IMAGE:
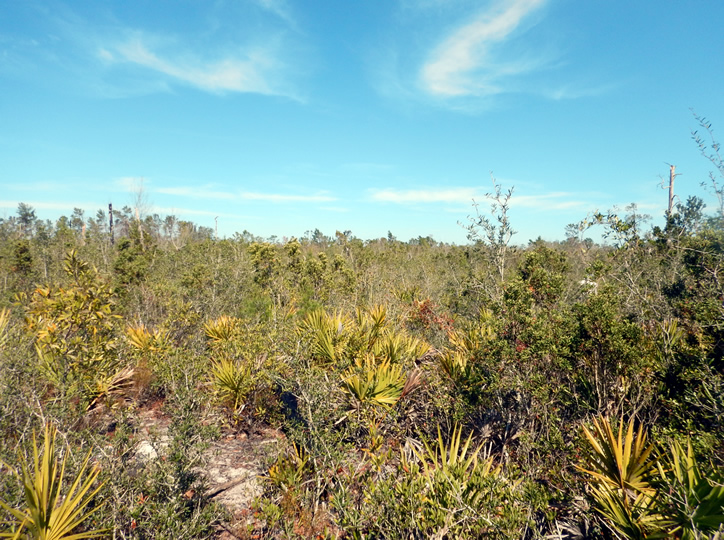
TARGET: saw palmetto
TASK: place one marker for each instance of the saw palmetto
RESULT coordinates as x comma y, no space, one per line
50,512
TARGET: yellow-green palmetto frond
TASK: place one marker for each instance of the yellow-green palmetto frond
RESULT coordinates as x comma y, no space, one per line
50,512
139,337
4,323
455,455
472,339
327,334
399,348
454,363
377,383
146,341
634,519
372,323
695,502
455,471
231,381
619,462
288,470
221,330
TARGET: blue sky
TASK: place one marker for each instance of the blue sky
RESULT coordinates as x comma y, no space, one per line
279,117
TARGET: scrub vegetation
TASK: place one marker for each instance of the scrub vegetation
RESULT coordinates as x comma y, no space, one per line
416,389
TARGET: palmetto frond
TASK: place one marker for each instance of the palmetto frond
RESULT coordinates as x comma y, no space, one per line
146,341
372,323
635,519
618,462
451,456
4,323
50,514
231,381
221,330
695,502
327,334
380,384
399,348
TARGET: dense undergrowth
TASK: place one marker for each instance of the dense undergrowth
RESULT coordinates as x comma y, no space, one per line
425,390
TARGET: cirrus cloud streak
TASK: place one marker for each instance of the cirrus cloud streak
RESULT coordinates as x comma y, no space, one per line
463,64
253,71
208,192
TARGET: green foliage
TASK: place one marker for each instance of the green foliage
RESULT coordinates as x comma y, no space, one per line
621,470
445,490
337,339
616,361
132,263
74,329
289,468
461,361
222,329
328,335
265,262
4,324
543,270
22,258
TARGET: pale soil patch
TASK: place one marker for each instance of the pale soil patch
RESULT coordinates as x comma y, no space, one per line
234,463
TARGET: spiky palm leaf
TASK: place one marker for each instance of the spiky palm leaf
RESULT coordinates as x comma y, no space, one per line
49,514
399,348
695,503
470,340
4,323
327,334
372,323
454,364
110,387
635,519
221,330
447,457
139,337
618,462
380,384
231,381
453,471
621,469
288,470
146,341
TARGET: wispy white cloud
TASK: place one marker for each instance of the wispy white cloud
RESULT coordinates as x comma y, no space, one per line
204,192
33,186
280,8
570,91
463,63
130,183
210,192
280,197
550,201
255,70
466,195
